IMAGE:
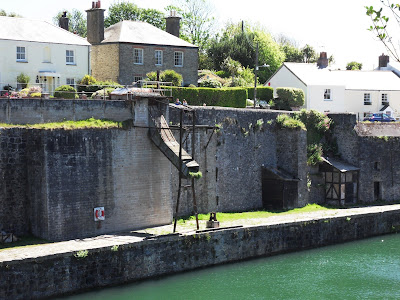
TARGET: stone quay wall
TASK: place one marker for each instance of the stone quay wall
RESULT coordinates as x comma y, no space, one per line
63,273
231,158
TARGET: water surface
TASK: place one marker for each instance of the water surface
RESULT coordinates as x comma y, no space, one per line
367,269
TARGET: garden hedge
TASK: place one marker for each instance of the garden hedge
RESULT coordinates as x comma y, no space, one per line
227,97
265,93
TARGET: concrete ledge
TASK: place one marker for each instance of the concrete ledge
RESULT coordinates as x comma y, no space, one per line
36,276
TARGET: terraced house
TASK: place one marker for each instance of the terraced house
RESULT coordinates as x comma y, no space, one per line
126,51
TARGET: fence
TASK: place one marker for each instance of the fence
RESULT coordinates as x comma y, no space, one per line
95,91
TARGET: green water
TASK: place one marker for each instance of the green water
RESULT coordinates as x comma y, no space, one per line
367,269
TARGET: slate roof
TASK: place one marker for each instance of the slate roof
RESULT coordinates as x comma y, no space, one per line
22,29
351,80
339,164
137,32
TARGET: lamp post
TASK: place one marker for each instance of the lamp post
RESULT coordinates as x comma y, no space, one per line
255,76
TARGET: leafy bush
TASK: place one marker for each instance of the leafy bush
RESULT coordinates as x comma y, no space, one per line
101,93
290,96
314,154
89,84
317,124
211,83
223,74
285,121
166,76
23,79
227,97
29,92
36,95
65,92
171,76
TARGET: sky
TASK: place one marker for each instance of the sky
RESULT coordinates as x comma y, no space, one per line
336,27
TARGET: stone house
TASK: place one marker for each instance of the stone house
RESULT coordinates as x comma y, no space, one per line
341,91
126,51
49,55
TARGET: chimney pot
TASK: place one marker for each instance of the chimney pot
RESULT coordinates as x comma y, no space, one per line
322,60
95,24
173,24
383,61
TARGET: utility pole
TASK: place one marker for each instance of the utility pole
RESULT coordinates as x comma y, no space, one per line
255,77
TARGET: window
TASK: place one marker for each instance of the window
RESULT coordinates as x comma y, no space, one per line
70,58
327,94
178,59
21,54
137,78
385,100
71,82
367,99
46,55
138,56
159,57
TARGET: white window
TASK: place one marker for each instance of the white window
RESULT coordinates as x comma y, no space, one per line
21,54
367,99
385,100
178,59
138,56
70,57
327,94
159,57
71,82
46,55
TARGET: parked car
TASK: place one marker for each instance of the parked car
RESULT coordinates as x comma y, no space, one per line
379,117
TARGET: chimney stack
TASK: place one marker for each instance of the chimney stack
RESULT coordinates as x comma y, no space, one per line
63,22
173,24
383,61
322,62
95,23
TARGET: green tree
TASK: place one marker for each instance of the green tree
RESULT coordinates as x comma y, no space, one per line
3,13
380,28
354,66
129,11
240,44
77,21
309,54
197,22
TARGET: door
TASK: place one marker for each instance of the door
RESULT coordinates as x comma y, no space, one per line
272,194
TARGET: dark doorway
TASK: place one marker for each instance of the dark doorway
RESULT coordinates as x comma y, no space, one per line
377,190
272,194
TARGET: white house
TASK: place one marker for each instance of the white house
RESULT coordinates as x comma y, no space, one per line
49,55
360,92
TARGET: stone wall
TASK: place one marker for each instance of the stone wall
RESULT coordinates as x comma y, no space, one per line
128,70
232,162
13,184
63,273
33,111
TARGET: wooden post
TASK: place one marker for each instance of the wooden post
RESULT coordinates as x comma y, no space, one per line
193,189
180,167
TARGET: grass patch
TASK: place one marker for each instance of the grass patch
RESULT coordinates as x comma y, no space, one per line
24,241
70,125
254,214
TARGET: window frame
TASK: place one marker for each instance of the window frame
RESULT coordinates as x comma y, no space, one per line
385,96
70,80
68,57
177,58
138,56
20,53
159,59
327,95
367,99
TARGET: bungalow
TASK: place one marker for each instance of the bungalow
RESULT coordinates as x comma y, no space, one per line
336,91
125,52
49,55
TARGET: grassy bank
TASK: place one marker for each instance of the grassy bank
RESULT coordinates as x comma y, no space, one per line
69,125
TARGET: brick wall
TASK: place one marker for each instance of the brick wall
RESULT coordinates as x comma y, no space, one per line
105,62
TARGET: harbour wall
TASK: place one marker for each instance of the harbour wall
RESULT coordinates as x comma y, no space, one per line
63,273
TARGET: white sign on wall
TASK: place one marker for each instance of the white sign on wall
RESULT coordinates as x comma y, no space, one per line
99,214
